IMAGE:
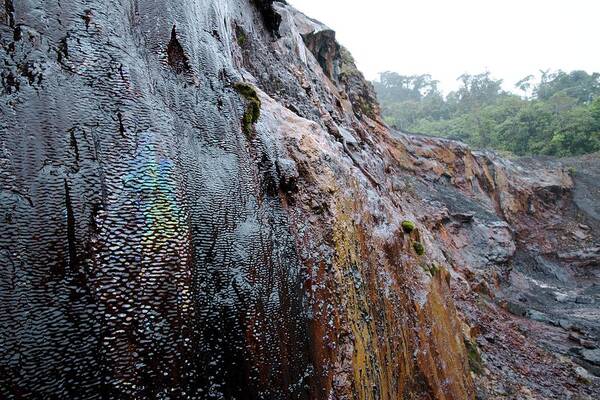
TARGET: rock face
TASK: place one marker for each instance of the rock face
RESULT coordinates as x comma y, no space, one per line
200,200
521,238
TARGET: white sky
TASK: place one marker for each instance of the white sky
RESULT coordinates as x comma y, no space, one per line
446,38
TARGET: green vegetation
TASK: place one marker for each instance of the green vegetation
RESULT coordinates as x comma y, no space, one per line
253,104
408,226
559,115
434,269
419,248
431,269
475,361
242,39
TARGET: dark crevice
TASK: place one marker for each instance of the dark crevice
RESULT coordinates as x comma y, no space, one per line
74,144
270,17
121,126
71,240
176,55
215,34
87,17
10,12
17,33
62,50
62,53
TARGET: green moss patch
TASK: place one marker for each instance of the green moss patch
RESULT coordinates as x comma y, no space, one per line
253,104
431,269
408,226
475,361
241,36
434,269
419,248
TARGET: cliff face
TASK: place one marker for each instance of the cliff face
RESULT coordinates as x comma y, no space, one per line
200,200
522,240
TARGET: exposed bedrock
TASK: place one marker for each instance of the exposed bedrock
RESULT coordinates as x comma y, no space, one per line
522,237
199,200
168,232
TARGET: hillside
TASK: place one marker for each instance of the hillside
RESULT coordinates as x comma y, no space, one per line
557,115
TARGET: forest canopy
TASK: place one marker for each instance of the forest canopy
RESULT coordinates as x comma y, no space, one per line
558,114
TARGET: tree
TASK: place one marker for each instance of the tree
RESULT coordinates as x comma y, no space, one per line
393,86
525,85
559,115
406,99
580,85
478,90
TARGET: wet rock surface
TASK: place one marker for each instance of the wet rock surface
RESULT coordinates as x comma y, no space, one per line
199,200
522,237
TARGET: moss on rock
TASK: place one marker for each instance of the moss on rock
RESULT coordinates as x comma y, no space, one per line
475,361
253,104
433,269
241,36
408,226
419,248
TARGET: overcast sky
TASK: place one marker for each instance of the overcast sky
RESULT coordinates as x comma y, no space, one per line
446,38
